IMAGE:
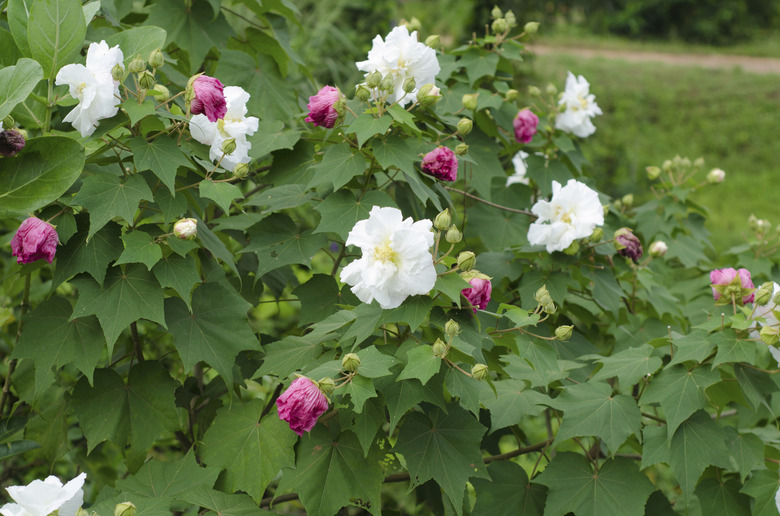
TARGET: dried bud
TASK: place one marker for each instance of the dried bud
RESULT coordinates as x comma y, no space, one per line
461,149
573,249
156,59
374,79
466,260
12,141
160,93
362,93
146,80
627,244
499,26
326,385
125,509
464,126
451,328
428,95
564,332
440,348
443,220
228,146
496,12
531,27
453,235
409,85
511,95
186,229
715,176
350,362
658,249
387,84
469,101
433,41
628,200
241,170
769,335
510,18
479,371
653,173
137,65
534,91
596,236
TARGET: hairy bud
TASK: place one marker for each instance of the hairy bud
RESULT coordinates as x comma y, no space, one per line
466,260
326,385
443,220
374,79
440,348
241,170
461,149
228,146
137,65
161,93
511,95
387,84
125,509
146,80
362,93
433,41
596,236
156,59
510,18
531,27
564,332
573,249
658,249
428,95
453,235
451,328
350,362
496,12
469,101
653,173
534,91
499,26
480,371
409,85
464,126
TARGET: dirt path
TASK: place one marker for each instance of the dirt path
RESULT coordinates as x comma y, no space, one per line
758,65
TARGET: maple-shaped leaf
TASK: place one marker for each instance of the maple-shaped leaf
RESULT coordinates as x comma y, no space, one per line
251,450
762,486
341,210
508,493
746,451
723,497
162,156
105,196
140,247
222,504
443,447
278,242
511,401
179,273
88,255
617,487
629,366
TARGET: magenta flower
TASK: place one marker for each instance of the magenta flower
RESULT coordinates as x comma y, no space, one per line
35,239
627,244
479,293
441,163
323,107
729,283
525,123
208,98
301,404
11,142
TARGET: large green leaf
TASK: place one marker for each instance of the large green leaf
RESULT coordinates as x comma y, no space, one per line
17,82
340,210
746,451
443,447
508,493
215,331
318,297
281,197
92,256
222,504
617,487
18,18
140,247
105,196
40,173
278,242
421,364
55,32
629,366
762,486
271,136
722,498
222,193
138,42
251,453
338,166
511,401
179,273
162,156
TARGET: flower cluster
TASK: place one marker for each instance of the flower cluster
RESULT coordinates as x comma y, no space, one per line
35,239
579,108
301,404
44,497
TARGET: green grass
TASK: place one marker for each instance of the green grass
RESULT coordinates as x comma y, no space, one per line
653,112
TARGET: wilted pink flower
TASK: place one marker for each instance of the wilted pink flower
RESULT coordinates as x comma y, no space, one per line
525,123
301,404
11,142
35,239
323,107
627,244
208,98
724,283
479,293
441,163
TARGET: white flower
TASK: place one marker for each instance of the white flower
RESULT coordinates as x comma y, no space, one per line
43,497
573,213
520,169
234,125
580,108
777,499
716,175
658,248
401,56
93,86
765,315
396,261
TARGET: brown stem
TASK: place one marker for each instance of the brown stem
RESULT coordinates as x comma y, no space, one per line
484,201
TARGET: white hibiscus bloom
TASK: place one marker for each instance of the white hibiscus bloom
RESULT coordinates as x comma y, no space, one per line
234,125
401,56
520,169
396,261
765,315
573,213
580,107
41,497
93,86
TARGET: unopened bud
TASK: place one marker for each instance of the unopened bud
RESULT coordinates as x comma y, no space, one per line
496,12
551,89
667,165
326,385
698,162
161,93
387,84
125,509
542,295
241,170
146,80
82,512
362,93
653,173
461,149
715,176
433,41
137,65
12,141
618,204
776,299
428,95
156,59
118,72
564,332
550,308
464,126
769,335
409,84
658,249
479,371
511,95
453,235
350,362
466,260
374,79
440,348
627,244
228,146
499,26
443,220
596,236
628,200
186,229
413,24
451,328
531,27
534,91
573,248
510,18
469,101
763,294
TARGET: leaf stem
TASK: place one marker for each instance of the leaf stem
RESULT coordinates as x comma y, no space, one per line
485,201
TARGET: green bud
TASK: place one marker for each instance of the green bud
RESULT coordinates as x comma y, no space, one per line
241,170
667,165
451,328
496,12
350,362
453,235
161,93
228,146
374,79
564,332
550,308
542,295
698,162
628,200
461,149
469,101
326,386
137,65
764,293
413,24
510,18
428,95
387,84
125,509
146,80
466,260
715,176
362,93
443,220
596,236
440,348
464,126
776,299
82,512
531,27
156,59
409,85
653,173
573,249
769,335
618,204
511,95
433,41
118,72
186,229
534,91
479,371
551,89
499,26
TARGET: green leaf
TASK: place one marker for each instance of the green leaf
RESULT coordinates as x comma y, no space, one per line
281,198
319,297
421,364
55,32
629,366
338,166
172,207
40,173
478,64
179,273
221,503
718,497
250,452
271,136
162,156
124,298
8,450
413,312
221,193
451,285
137,112
511,401
732,348
680,392
340,211
138,412
403,117
746,451
140,247
442,447
590,409
366,424
289,354
366,126
214,245
755,385
396,152
215,331
696,346
616,488
18,18
138,41
106,197
278,242
401,396
762,486
360,389
374,363
17,82
509,493
92,256
332,472
465,388
51,339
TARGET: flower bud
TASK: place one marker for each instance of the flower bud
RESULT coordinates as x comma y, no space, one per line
146,80
564,332
464,126
627,244
698,162
715,176
387,84
241,170
573,249
542,295
374,79
531,27
658,249
451,328
125,509
469,101
769,335
666,165
534,91
350,362
550,308
12,141
496,12
137,65
433,41
362,93
551,89
479,371
443,220
511,95
428,95
628,200
466,260
653,173
453,235
596,236
409,84
326,385
8,122
186,229
228,146
764,293
776,299
440,348
118,72
499,26
510,18
413,24
461,149
618,204
156,59
161,93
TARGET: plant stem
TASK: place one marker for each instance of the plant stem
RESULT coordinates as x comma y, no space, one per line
12,364
485,201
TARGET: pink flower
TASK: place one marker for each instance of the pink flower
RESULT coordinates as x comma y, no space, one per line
35,239
301,404
479,293
525,123
208,98
441,163
724,283
323,109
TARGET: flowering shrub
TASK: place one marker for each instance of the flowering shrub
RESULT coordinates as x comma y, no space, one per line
264,304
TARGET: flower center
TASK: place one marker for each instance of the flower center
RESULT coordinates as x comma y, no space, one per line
384,254
583,102
80,89
563,216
